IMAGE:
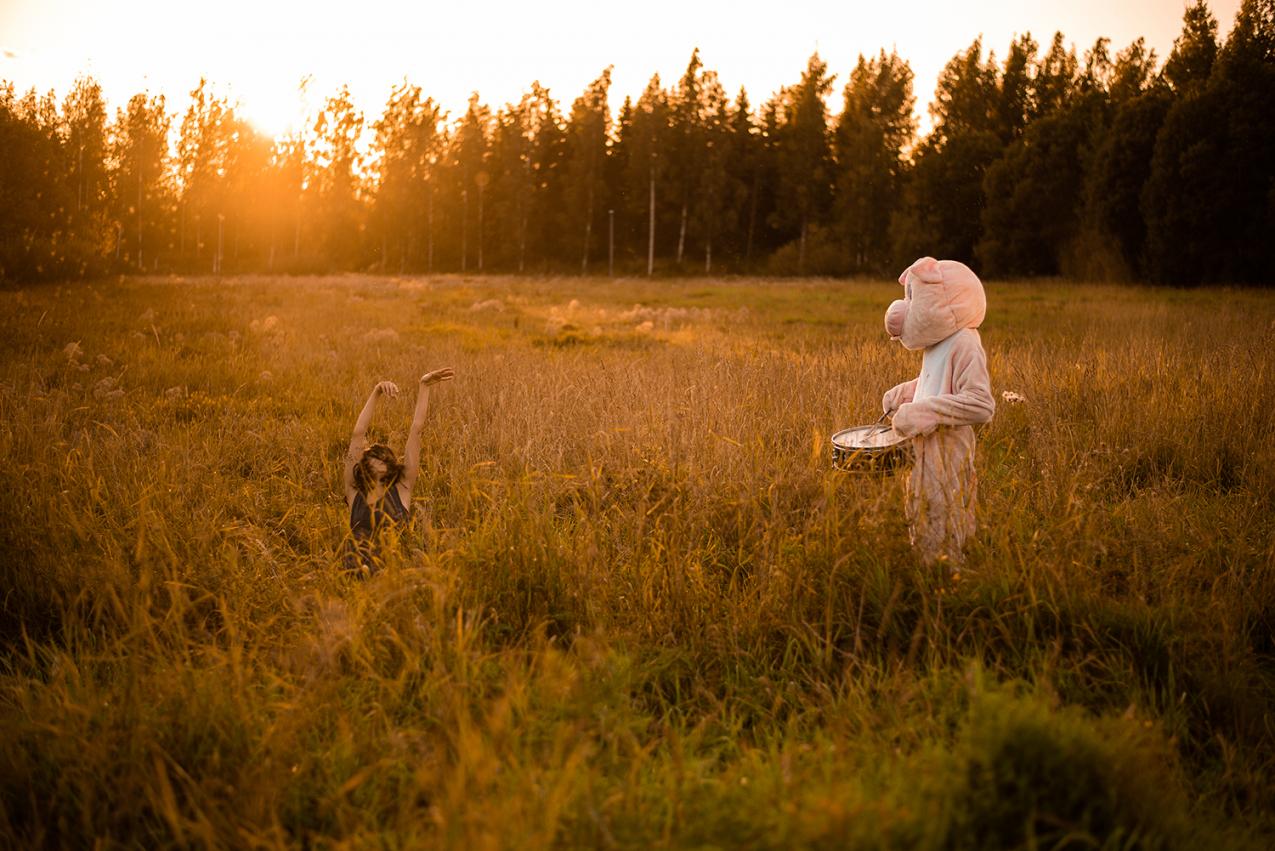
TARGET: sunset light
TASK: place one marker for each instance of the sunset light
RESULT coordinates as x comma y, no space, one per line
259,52
769,425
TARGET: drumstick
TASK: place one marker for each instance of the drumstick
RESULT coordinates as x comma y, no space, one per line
879,422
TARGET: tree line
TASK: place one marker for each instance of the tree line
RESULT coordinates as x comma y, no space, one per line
1042,162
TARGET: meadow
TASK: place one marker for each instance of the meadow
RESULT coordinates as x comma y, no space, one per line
635,608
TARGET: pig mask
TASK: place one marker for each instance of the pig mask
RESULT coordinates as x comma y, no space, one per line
940,298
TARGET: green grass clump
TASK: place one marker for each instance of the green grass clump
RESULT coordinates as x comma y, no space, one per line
1030,776
635,608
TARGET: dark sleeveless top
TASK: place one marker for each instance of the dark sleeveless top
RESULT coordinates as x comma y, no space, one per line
365,521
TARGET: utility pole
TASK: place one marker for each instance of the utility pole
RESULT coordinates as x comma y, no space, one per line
481,179
464,230
610,243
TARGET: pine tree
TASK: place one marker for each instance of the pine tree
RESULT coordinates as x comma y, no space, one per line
648,156
513,181
710,212
944,198
1034,191
620,222
805,155
588,134
407,144
467,177
139,180
743,179
874,129
287,185
687,146
337,177
549,153
35,196
1194,51
1111,235
1209,203
966,97
85,148
1056,79
202,153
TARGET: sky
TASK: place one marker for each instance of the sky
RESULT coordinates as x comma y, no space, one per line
258,52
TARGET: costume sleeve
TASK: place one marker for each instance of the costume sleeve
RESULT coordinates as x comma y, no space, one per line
969,403
897,395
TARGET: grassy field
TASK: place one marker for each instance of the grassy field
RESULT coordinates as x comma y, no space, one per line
635,609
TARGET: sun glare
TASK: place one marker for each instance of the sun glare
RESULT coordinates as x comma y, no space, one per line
275,111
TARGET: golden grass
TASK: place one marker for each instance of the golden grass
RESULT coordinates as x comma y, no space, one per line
637,609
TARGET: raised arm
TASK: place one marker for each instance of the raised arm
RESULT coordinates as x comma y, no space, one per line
412,457
358,439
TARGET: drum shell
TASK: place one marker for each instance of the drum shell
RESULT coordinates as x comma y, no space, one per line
869,459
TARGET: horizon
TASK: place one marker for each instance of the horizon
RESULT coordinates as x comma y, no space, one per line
280,92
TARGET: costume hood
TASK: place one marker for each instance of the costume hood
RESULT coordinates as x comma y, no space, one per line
941,297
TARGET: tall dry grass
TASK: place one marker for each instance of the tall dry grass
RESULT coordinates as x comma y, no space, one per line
635,609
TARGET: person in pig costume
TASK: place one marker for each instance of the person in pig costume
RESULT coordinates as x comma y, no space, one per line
943,304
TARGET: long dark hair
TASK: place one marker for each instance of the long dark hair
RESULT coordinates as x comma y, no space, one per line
365,476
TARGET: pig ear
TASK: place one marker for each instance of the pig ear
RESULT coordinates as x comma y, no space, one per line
903,277
927,269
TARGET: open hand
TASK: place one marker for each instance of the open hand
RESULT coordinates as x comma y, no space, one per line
444,374
386,388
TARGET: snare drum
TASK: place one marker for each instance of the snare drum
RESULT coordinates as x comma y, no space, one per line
869,449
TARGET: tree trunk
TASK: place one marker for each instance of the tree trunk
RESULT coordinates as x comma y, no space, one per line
650,229
522,239
681,234
752,223
801,249
708,249
588,231
139,218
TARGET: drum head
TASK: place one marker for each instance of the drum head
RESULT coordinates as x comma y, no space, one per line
867,437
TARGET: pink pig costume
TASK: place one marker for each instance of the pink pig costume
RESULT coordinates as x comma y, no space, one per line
943,303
